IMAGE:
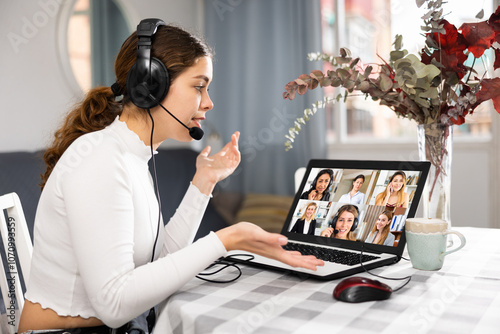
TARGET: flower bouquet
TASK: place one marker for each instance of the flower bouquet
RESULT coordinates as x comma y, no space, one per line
436,88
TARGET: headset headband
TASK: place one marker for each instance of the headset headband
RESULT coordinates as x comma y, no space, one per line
148,75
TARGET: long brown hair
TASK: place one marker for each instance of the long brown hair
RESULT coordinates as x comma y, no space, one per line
175,47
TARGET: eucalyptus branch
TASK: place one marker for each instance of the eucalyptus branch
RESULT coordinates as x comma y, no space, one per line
308,113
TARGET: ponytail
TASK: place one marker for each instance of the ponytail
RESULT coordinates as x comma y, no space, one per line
95,112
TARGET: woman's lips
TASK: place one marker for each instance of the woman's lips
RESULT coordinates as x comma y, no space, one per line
197,121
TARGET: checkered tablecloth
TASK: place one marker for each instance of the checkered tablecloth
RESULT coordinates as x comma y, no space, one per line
462,297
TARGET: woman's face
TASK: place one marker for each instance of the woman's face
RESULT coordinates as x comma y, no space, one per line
357,184
322,183
188,100
310,211
397,183
344,224
382,222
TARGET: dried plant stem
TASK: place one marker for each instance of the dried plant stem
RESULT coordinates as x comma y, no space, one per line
437,153
436,158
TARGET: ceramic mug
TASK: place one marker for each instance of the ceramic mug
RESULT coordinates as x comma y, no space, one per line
426,241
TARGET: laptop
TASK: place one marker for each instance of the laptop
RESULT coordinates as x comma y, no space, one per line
351,233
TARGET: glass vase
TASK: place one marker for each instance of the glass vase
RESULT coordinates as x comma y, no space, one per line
435,143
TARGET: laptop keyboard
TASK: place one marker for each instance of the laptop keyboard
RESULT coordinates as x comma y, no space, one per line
329,254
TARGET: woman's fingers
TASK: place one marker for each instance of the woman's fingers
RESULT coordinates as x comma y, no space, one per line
251,238
305,261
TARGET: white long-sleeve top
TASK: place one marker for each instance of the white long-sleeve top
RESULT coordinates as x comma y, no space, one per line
95,227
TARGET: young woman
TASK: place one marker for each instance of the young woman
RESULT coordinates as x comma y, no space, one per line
306,224
319,186
354,196
380,234
342,224
394,195
100,258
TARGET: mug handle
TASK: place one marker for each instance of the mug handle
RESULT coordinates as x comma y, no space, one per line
462,242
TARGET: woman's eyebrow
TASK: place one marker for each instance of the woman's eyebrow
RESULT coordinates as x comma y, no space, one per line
203,77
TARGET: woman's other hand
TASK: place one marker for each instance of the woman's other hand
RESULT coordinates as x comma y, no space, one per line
312,195
327,232
211,169
250,237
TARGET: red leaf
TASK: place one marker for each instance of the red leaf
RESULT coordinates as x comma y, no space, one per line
494,20
452,63
452,42
479,36
496,64
452,115
490,89
459,120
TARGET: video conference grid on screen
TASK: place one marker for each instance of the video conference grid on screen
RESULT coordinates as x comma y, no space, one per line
358,205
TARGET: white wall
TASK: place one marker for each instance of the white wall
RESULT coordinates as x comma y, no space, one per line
35,92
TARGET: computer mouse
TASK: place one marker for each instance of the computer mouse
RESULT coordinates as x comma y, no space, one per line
361,289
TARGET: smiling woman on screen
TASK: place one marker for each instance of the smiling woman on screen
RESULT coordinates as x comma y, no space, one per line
320,186
394,195
343,224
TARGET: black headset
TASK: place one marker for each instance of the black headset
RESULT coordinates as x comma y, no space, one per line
333,223
148,75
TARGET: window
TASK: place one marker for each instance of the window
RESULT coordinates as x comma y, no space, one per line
96,31
79,44
368,28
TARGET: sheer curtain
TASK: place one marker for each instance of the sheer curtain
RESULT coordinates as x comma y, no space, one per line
260,45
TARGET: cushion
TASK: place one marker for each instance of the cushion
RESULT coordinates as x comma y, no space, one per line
267,211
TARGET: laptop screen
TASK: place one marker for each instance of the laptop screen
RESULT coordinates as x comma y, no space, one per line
357,201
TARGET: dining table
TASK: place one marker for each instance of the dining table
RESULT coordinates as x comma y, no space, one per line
462,297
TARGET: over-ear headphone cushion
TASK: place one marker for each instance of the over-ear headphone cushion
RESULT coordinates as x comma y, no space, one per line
354,225
157,84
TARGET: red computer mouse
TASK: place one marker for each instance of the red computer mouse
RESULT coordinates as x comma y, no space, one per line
361,289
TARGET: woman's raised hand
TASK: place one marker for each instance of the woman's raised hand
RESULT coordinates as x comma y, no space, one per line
211,169
250,237
327,232
312,194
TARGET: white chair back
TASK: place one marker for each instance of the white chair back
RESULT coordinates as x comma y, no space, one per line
299,174
16,259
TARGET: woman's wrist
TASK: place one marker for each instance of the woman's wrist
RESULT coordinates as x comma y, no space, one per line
204,184
227,236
